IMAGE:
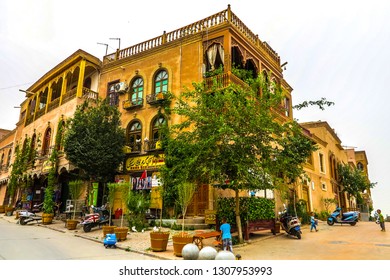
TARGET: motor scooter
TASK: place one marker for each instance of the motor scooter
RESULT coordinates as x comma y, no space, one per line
26,217
99,217
338,217
290,224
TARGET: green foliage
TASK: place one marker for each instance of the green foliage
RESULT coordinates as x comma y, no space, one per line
353,180
137,204
251,209
48,202
328,202
75,188
95,139
322,103
24,156
231,137
185,191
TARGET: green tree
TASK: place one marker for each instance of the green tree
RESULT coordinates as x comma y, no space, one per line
353,180
231,137
94,140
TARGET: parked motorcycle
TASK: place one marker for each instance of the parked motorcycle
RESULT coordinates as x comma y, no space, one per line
338,217
290,224
26,217
99,217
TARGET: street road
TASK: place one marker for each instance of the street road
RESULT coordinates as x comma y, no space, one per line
30,242
364,241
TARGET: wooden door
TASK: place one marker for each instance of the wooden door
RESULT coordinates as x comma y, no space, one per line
199,202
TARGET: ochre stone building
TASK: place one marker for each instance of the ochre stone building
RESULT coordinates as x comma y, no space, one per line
138,79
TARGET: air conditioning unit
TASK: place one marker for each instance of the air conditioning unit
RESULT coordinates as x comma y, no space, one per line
121,87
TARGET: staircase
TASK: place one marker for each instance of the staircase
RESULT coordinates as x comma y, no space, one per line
195,222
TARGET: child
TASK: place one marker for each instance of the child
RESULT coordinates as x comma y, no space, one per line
313,222
381,220
226,236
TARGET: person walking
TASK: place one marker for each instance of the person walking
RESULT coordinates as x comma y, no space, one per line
313,222
226,236
381,220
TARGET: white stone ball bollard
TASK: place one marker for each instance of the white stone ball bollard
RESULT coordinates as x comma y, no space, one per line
207,253
190,252
225,255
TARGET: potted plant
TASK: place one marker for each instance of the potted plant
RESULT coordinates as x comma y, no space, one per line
185,192
75,188
110,199
121,231
48,202
158,237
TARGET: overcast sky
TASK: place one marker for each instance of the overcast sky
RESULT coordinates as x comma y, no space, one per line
335,49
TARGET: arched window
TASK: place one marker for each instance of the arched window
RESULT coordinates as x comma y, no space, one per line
137,91
9,157
161,82
360,166
46,142
134,136
157,125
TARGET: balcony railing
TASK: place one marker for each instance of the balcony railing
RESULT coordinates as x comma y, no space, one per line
155,98
204,25
152,145
54,104
131,104
69,95
222,81
90,94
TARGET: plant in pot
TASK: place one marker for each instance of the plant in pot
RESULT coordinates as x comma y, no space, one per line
75,190
137,204
110,199
158,237
121,231
185,192
48,202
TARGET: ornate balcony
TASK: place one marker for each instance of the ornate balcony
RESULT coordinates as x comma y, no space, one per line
131,104
156,98
223,80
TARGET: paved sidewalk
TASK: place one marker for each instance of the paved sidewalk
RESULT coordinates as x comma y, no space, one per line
138,242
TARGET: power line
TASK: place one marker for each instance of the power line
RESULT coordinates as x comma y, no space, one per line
4,88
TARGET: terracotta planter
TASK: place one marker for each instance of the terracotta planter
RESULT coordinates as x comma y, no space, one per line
179,241
9,211
2,209
121,233
47,218
159,240
108,229
71,224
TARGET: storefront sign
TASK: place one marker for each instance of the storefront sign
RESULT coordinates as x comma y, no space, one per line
144,162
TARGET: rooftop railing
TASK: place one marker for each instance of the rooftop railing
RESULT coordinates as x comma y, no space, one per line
194,28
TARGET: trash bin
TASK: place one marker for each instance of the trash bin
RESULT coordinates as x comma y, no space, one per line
118,213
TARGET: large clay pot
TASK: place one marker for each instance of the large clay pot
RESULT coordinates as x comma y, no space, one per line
9,210
108,229
159,240
47,218
121,233
179,241
2,209
71,224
